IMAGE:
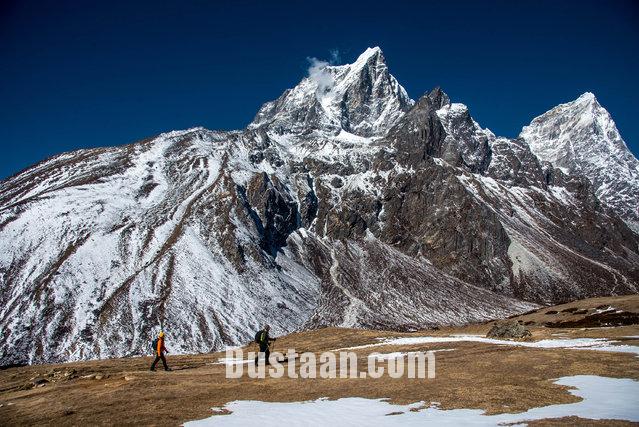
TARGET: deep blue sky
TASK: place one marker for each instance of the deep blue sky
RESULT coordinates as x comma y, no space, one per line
84,74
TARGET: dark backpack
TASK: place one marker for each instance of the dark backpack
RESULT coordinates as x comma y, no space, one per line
154,345
258,337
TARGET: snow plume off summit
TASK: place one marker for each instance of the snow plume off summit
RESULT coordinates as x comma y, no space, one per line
320,76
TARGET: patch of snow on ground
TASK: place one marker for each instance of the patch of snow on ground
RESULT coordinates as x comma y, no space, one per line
398,354
597,344
602,310
603,398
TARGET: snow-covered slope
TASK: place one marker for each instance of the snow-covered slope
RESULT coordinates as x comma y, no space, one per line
100,247
581,138
376,212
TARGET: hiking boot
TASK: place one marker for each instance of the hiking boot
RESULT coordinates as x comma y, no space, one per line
152,369
168,369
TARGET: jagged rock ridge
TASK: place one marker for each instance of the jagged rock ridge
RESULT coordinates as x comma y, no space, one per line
351,206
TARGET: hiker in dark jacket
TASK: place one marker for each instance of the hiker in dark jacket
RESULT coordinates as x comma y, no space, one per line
264,341
160,349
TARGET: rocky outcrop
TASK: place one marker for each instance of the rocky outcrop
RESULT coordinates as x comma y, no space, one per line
508,330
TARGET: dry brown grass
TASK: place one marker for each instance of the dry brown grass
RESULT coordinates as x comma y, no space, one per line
490,377
628,303
581,422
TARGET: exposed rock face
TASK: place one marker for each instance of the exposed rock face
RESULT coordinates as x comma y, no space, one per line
273,210
351,206
514,164
508,330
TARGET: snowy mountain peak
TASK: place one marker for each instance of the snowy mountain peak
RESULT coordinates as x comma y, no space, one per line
361,98
371,51
586,105
588,97
369,56
569,130
580,137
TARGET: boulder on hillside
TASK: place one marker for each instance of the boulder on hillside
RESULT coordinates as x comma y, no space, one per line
508,330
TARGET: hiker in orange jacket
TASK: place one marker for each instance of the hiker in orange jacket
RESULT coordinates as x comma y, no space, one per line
160,349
